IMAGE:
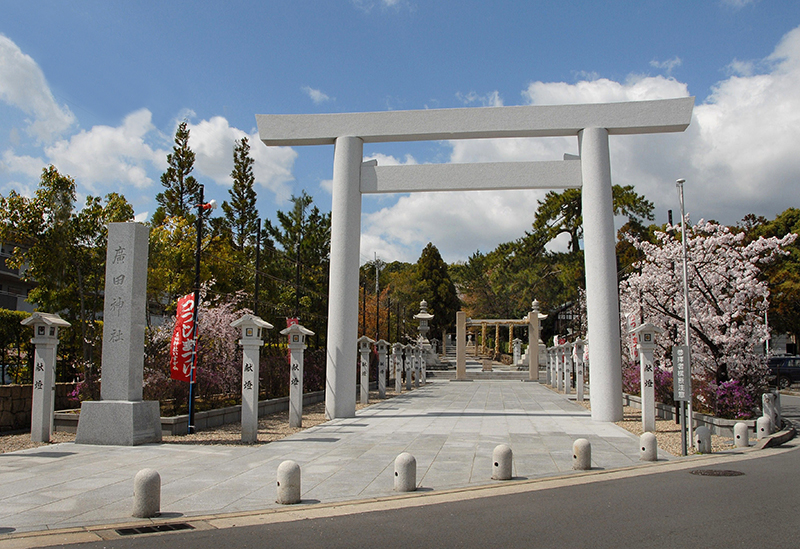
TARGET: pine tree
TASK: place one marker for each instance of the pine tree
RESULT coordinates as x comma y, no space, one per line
182,190
435,287
241,214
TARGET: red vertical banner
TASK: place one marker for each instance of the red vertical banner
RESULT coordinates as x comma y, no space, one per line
180,355
633,322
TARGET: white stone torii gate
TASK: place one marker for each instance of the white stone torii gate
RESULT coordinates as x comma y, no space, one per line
591,123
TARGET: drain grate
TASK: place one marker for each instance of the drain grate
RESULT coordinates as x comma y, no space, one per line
155,528
717,473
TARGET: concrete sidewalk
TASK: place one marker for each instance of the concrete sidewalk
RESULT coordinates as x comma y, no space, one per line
451,428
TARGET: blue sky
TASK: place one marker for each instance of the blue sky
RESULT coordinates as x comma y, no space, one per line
97,89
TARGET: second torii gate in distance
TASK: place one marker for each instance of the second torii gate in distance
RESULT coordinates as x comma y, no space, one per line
590,123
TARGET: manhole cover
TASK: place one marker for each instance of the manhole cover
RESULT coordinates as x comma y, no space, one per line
716,473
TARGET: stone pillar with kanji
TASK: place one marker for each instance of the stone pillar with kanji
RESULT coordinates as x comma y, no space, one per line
364,348
383,347
646,344
253,329
297,344
45,340
121,417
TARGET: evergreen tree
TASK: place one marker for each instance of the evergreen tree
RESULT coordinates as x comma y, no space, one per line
304,236
435,287
241,213
182,190
562,213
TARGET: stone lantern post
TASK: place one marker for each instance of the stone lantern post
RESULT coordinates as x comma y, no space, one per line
252,332
423,318
517,346
567,368
364,347
397,358
383,347
297,344
408,365
646,344
534,329
577,357
45,339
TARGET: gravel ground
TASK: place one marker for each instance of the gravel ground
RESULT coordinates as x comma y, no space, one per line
668,433
270,428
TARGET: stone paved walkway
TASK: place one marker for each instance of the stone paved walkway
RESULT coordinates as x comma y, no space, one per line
450,427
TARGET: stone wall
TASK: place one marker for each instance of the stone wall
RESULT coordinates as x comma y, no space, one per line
16,402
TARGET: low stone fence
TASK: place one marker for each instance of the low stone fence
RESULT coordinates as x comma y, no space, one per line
717,426
16,402
66,421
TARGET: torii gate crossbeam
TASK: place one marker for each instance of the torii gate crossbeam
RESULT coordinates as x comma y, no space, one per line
591,123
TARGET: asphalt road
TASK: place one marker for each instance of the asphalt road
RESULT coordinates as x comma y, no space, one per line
670,509
790,409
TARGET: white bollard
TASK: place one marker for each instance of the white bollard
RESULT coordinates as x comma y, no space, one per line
648,447
763,427
581,455
288,483
702,440
741,435
502,460
405,473
146,494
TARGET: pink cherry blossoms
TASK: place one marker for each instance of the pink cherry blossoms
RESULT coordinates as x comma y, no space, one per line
727,299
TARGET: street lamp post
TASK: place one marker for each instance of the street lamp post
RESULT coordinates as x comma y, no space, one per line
689,424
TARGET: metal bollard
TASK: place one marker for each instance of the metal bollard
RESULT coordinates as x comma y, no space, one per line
763,427
146,494
648,447
741,435
502,459
288,483
702,440
405,473
581,455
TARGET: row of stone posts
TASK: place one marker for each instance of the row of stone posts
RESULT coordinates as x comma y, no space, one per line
563,361
411,361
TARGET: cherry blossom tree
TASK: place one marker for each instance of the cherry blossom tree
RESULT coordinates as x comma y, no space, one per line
727,299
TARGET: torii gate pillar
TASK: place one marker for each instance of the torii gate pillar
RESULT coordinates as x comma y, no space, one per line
340,382
602,301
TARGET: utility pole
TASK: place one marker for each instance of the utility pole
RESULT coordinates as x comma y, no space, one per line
258,264
378,266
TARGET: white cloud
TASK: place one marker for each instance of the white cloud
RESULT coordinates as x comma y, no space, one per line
667,65
104,156
395,5
739,156
23,85
491,99
388,160
26,165
213,141
317,96
737,4
457,223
